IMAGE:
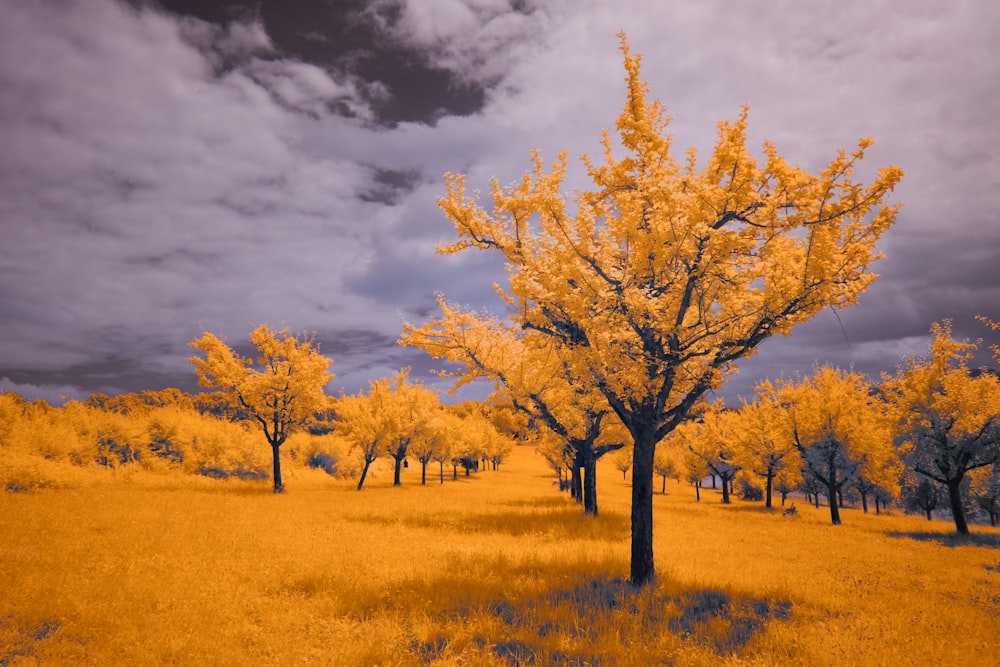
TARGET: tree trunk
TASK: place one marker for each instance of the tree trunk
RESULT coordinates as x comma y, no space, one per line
423,473
834,508
441,470
454,471
276,465
957,511
641,570
840,497
364,472
590,486
697,492
576,484
928,511
725,491
767,491
395,474
663,489
876,505
713,481
864,501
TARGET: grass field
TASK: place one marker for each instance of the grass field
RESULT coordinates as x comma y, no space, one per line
498,568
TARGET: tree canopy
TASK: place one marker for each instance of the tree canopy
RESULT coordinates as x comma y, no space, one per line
281,390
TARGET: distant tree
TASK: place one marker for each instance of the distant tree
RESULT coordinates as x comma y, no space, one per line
665,464
535,379
622,460
386,419
838,425
949,418
280,390
923,496
712,439
694,466
985,490
785,483
761,445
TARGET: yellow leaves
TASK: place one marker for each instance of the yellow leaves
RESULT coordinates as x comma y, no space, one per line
284,389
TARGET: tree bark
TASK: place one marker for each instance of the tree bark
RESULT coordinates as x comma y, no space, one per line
725,491
834,505
767,491
398,467
441,470
423,473
590,486
697,492
576,484
864,501
957,511
364,472
641,570
276,467
663,489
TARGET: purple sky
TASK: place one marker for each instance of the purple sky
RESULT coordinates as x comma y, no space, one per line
193,165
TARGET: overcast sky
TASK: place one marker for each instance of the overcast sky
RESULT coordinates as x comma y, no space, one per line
187,165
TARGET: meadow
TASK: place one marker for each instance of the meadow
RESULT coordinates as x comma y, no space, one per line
496,568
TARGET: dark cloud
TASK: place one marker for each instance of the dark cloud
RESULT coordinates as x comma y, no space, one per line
181,166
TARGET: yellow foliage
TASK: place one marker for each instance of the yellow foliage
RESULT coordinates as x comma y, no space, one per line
659,278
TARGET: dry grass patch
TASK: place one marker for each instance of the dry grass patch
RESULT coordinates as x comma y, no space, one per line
494,569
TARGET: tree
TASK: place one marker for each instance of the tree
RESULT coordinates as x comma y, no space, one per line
838,425
386,419
922,495
656,281
695,471
762,446
535,379
665,465
949,418
711,438
280,390
623,461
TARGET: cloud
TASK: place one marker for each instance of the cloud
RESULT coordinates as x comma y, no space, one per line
163,174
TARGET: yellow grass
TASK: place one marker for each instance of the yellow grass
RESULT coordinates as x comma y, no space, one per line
498,568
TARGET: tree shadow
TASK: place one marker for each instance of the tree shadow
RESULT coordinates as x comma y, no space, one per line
991,541
579,619
557,521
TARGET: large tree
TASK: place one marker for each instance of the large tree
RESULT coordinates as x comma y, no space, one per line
661,276
949,417
282,389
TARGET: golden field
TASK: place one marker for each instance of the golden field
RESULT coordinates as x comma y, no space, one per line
494,569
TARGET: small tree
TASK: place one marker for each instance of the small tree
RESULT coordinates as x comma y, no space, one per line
622,460
281,391
664,465
923,496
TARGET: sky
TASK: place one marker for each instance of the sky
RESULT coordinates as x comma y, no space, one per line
181,166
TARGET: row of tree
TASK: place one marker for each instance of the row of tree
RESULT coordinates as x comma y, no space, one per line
926,436
280,393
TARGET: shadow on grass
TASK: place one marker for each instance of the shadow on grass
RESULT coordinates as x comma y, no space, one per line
538,613
991,541
557,521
